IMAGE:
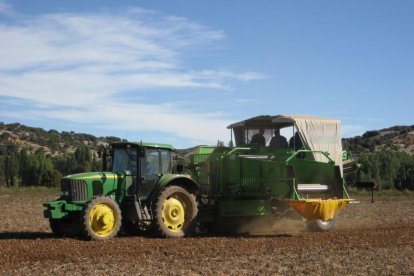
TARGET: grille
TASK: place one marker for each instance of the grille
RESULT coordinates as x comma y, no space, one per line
74,190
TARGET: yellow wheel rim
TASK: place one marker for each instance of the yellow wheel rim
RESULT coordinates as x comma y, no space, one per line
102,219
173,214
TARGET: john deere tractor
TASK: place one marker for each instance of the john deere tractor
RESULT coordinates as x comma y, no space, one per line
142,188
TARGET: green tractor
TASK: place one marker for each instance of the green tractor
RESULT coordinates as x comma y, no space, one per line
143,188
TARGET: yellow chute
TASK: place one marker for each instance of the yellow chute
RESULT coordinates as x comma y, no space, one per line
324,209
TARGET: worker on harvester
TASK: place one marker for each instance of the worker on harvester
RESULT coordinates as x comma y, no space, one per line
295,142
258,139
278,141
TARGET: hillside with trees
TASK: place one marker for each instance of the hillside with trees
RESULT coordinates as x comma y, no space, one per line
35,157
397,138
386,157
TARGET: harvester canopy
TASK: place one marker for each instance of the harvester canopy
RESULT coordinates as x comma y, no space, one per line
317,133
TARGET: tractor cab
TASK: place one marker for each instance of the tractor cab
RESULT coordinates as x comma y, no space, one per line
140,163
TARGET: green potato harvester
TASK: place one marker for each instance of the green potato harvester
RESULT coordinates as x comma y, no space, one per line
143,187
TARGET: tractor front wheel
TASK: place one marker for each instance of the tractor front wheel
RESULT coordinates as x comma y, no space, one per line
101,219
319,225
175,212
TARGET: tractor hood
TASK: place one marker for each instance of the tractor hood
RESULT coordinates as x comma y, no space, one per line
91,184
92,176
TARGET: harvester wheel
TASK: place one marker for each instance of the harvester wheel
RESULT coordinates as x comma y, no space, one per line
66,227
101,219
319,225
175,212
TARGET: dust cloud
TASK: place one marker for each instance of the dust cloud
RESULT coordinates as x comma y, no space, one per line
273,226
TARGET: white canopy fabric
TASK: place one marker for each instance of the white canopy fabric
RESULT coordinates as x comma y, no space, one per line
318,134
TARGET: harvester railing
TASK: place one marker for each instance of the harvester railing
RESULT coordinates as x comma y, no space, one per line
238,150
299,152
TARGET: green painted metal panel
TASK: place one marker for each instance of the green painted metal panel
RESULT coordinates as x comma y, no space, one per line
238,173
231,178
250,176
244,208
59,208
309,171
101,183
274,179
206,149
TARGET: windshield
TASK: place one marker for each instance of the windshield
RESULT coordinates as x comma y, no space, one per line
156,161
125,160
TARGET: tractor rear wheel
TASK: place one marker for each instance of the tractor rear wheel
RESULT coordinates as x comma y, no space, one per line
319,225
101,219
175,212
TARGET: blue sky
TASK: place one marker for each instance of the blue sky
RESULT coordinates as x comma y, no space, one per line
179,72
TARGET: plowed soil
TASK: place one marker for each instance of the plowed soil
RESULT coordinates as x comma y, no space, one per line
369,238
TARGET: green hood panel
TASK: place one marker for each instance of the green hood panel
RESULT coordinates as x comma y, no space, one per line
93,176
99,183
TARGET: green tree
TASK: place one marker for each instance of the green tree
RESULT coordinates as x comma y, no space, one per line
388,169
96,165
66,164
2,170
405,174
51,178
83,158
12,166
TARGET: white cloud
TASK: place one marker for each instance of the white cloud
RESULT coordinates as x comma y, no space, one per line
77,68
5,8
125,117
249,76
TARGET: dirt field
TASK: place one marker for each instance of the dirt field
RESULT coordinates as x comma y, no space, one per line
369,238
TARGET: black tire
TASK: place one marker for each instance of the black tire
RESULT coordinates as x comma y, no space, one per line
69,226
175,212
56,227
101,219
319,225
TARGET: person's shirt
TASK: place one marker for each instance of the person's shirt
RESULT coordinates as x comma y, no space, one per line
295,142
258,140
278,142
